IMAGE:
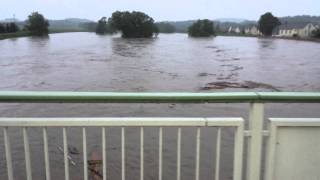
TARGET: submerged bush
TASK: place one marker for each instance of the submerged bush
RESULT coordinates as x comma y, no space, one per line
37,24
133,24
201,28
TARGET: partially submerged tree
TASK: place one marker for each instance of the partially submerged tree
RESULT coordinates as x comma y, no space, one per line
202,28
165,27
103,26
8,28
267,23
2,28
316,33
37,24
89,26
12,28
133,24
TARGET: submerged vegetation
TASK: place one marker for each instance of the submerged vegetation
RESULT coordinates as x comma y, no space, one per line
8,28
316,33
103,27
267,23
133,24
37,25
202,28
165,27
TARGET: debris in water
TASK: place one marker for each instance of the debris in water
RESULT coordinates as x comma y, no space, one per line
94,162
222,85
95,166
69,157
244,85
73,150
171,106
205,74
211,47
236,68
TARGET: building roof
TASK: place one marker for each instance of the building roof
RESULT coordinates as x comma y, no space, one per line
289,26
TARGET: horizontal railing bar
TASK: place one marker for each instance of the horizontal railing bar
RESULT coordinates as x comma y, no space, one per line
122,121
295,122
127,97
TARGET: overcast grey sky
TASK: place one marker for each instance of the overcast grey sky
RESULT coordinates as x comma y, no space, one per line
159,9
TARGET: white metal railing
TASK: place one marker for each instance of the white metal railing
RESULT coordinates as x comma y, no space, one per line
64,123
254,133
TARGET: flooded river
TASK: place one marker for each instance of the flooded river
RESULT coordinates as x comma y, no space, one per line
169,63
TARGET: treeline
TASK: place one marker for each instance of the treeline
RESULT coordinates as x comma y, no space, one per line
8,28
133,24
137,24
35,25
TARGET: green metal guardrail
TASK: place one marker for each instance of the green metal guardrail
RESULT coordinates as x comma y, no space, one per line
114,97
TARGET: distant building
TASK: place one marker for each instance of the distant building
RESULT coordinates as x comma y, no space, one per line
301,30
237,30
252,31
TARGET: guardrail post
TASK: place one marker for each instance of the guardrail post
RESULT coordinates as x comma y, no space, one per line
255,141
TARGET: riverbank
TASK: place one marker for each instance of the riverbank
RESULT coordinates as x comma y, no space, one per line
26,33
297,39
272,37
236,35
14,35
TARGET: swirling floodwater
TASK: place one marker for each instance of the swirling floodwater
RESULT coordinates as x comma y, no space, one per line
169,63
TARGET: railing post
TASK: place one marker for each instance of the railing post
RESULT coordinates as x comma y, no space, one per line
255,141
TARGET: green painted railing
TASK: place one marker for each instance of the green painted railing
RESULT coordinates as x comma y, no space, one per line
114,97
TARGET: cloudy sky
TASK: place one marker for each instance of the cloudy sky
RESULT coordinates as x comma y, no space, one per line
159,9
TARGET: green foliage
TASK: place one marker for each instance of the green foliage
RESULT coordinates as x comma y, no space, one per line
9,28
13,28
133,24
37,24
201,28
165,27
267,23
316,33
2,28
89,26
103,26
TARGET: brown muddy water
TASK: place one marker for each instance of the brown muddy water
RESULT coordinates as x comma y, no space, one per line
169,63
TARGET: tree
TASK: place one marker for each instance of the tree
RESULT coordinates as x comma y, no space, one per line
2,28
89,26
103,26
165,27
37,24
267,23
133,24
12,28
202,28
316,33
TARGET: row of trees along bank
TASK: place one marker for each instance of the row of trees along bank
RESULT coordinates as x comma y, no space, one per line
36,25
8,28
138,24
